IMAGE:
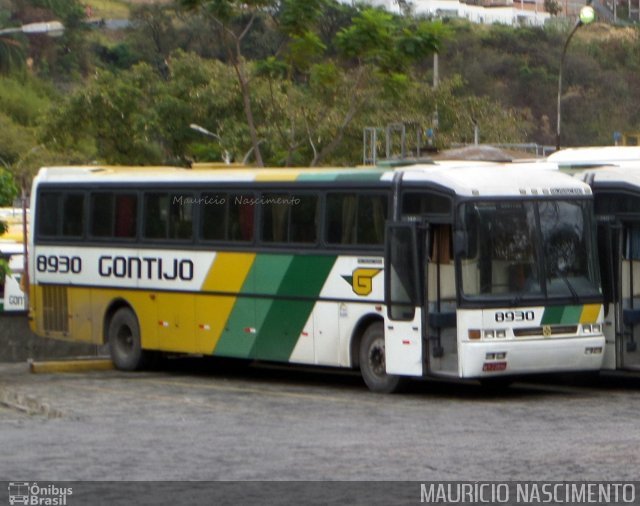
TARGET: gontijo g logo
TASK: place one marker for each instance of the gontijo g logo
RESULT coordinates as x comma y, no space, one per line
361,280
22,492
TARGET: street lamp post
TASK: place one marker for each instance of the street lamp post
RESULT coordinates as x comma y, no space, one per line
587,15
51,28
226,155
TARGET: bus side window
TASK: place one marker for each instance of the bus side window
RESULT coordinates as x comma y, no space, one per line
126,215
303,219
102,215
214,216
275,216
48,213
372,213
356,219
181,216
73,215
241,217
156,215
113,216
341,213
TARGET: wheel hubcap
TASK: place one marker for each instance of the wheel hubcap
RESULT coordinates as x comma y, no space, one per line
376,357
125,338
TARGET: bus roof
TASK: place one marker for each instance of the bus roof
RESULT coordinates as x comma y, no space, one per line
594,155
622,173
463,178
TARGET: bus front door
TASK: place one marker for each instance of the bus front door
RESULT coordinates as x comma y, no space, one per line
403,319
629,310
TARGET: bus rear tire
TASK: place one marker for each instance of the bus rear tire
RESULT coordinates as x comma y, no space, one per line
373,362
124,341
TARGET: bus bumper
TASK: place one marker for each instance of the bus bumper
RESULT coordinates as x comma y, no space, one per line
489,359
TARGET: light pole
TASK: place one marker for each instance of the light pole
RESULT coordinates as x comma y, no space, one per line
587,15
226,155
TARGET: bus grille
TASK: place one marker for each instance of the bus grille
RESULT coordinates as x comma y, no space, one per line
54,308
539,331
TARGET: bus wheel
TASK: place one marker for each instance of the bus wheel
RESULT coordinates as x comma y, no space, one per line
373,364
124,341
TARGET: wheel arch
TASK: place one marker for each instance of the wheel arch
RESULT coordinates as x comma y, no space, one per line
356,336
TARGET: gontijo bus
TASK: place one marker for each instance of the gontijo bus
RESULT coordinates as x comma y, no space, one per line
472,271
613,172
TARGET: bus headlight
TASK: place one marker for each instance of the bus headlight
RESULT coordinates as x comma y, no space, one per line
592,328
494,333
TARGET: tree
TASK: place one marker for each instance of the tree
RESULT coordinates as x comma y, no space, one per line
553,7
234,20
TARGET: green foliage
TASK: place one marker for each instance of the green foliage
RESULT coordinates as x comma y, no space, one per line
304,49
8,188
368,37
24,100
273,68
297,17
12,54
311,74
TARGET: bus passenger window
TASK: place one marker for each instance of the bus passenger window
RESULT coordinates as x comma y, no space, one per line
102,215
303,223
356,219
214,216
372,213
241,213
341,213
181,216
275,213
156,215
73,215
48,214
126,211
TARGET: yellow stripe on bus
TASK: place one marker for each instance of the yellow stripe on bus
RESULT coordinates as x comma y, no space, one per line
227,274
590,313
278,175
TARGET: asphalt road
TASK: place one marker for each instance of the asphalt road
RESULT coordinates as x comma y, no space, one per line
224,420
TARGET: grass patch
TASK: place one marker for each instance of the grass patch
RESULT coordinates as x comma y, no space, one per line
108,9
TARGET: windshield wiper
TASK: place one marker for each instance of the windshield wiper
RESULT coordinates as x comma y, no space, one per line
574,294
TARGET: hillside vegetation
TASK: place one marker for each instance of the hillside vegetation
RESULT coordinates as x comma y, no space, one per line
293,82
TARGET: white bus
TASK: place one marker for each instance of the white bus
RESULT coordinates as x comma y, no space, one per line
12,297
477,271
614,176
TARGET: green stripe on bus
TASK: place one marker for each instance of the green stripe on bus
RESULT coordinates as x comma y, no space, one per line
361,176
353,175
561,315
248,313
285,318
571,314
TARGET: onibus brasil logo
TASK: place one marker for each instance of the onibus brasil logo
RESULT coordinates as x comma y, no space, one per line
23,492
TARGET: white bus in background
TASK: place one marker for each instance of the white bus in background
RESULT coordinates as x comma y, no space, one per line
460,270
614,176
12,296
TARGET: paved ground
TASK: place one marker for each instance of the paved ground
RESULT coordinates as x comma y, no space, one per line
210,420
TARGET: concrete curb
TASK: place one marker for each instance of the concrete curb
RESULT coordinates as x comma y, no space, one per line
71,365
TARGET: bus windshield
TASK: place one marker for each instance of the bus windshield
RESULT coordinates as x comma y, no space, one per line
515,251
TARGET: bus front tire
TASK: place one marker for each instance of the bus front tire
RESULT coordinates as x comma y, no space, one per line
373,362
124,341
